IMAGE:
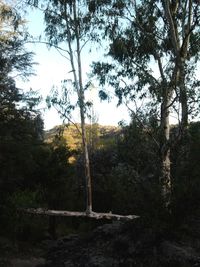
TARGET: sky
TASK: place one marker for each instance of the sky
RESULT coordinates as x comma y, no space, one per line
52,68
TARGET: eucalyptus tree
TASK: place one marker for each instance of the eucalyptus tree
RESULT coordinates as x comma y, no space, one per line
67,27
154,49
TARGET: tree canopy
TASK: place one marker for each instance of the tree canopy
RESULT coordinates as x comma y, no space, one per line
155,48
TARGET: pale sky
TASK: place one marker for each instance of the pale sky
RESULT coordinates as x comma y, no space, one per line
52,68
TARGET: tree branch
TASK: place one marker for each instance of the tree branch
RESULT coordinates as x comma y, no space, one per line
47,43
63,114
172,26
189,29
137,24
157,57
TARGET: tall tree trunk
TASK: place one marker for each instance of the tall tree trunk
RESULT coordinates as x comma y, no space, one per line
186,33
84,135
180,50
180,47
77,72
183,95
86,161
182,58
81,98
165,164
165,168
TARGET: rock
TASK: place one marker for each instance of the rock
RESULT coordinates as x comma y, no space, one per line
120,245
5,244
33,262
180,253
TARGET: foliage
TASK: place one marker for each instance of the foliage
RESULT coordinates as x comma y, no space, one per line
15,60
21,127
20,123
55,174
186,173
103,161
139,41
124,173
138,146
151,59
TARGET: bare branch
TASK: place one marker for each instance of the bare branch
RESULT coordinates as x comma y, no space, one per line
173,101
47,43
61,53
84,44
63,114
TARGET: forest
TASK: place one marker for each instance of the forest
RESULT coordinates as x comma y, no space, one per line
83,194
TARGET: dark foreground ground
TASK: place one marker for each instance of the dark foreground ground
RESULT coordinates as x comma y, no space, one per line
119,245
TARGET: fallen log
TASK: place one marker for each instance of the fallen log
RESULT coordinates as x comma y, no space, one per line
92,215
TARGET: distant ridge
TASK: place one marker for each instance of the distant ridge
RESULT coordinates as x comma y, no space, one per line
98,136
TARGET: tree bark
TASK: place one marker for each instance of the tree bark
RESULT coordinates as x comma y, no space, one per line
82,115
165,164
182,57
180,50
165,168
183,95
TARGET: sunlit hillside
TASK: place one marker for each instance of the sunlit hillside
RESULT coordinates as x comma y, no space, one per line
98,136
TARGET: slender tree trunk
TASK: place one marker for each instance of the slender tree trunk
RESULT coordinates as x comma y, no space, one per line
180,50
165,168
186,33
183,95
84,137
81,98
182,57
82,115
165,164
180,46
87,164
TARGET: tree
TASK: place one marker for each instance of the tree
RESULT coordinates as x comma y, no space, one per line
155,48
68,23
21,126
20,123
64,24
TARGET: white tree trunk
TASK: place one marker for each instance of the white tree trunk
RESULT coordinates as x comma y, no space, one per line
165,172
81,99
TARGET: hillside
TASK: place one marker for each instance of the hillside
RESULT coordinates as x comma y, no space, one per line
98,136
